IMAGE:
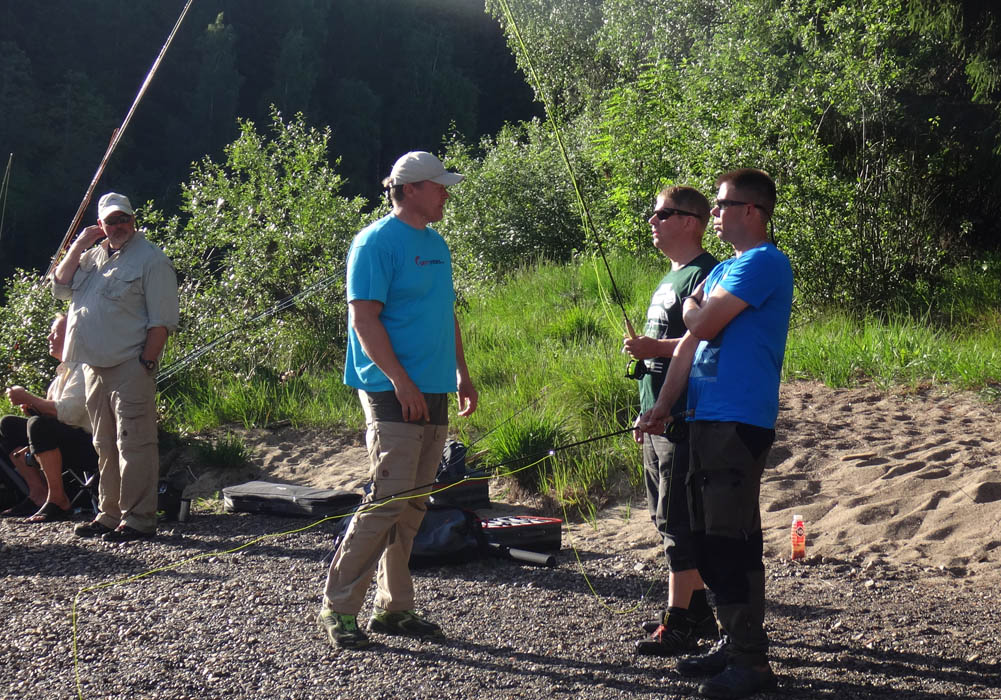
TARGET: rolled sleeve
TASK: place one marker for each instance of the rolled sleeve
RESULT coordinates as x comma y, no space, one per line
161,296
62,292
71,399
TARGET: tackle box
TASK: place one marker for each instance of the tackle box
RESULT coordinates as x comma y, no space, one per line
531,532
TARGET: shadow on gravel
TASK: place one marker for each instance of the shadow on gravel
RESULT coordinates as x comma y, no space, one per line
557,669
800,612
174,542
565,577
898,668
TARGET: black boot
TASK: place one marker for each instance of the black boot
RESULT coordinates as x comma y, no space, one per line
675,636
739,682
711,663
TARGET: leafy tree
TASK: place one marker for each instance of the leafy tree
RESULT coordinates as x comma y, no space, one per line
973,27
217,84
516,205
260,227
842,104
561,37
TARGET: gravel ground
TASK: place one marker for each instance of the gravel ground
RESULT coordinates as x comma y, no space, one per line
242,625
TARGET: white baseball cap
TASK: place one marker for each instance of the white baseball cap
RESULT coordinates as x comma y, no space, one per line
112,202
418,166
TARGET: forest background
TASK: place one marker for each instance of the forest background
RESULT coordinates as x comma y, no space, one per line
260,146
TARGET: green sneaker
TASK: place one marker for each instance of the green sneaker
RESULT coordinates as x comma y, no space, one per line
342,630
403,622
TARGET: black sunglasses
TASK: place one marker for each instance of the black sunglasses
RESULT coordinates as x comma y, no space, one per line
667,212
115,220
722,204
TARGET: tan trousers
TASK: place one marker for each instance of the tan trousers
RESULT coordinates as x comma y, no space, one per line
122,407
402,455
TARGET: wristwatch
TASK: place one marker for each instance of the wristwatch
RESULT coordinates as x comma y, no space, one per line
148,364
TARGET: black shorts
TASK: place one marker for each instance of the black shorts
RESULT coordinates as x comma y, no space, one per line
44,433
665,469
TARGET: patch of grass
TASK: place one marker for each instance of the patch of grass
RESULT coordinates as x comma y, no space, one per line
523,446
225,452
840,352
315,399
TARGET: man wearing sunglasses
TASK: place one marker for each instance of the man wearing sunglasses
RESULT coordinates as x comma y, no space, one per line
123,304
677,224
730,360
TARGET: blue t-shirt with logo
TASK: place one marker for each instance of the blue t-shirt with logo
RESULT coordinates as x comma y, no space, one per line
735,376
409,271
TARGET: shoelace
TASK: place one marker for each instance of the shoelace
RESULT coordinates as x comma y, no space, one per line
675,634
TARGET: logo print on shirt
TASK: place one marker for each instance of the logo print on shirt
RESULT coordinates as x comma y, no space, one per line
422,263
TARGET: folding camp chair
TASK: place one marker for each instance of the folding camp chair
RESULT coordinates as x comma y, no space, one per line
81,487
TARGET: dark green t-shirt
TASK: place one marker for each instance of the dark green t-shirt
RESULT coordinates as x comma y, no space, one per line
663,320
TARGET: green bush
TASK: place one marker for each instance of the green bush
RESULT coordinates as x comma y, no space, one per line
515,207
260,227
25,319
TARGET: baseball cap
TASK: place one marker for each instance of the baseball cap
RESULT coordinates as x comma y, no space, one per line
418,166
112,202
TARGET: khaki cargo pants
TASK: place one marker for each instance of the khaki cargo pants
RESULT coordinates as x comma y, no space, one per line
381,534
121,401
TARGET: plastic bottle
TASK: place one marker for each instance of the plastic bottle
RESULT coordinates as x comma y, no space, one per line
798,537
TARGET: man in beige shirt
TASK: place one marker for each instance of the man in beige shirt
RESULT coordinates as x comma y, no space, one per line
123,294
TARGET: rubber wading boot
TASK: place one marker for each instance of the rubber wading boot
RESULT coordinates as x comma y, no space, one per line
739,682
404,623
342,630
711,663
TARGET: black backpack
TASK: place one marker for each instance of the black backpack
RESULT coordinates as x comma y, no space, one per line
13,490
448,535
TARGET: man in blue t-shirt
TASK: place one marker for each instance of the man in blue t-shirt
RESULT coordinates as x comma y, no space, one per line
731,360
404,356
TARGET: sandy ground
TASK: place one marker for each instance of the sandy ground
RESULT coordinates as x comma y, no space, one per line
905,478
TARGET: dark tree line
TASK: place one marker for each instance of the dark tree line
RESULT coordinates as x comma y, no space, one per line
386,75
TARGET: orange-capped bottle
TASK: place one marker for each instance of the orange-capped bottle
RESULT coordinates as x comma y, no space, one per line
798,537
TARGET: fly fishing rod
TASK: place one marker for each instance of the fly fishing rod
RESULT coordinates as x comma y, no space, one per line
585,212
116,137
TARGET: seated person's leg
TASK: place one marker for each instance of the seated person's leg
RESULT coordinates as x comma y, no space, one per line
13,439
45,435
32,477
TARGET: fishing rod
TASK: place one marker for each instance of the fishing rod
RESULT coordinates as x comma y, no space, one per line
116,137
532,459
4,187
175,367
585,212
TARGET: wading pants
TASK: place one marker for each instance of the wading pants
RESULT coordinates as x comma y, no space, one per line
724,485
403,455
122,407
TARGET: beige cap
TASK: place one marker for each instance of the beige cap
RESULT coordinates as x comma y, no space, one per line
112,202
418,166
